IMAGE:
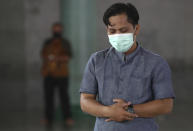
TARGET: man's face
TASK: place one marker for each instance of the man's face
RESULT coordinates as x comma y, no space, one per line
120,25
57,29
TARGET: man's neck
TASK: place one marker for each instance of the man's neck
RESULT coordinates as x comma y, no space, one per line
132,49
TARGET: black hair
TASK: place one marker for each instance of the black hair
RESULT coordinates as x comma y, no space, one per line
120,8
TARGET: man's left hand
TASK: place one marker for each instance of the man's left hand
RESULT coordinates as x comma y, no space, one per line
120,101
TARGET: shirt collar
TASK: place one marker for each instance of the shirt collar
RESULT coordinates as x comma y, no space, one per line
126,58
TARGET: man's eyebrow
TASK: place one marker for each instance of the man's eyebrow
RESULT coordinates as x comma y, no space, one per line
123,28
112,28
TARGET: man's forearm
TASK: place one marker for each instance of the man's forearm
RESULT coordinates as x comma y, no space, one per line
93,107
115,112
154,108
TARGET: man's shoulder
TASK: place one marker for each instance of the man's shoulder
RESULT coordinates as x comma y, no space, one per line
100,54
47,41
152,57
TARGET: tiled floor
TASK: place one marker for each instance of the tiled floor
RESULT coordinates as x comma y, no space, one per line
180,120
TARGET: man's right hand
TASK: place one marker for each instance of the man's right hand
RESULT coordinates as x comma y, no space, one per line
117,111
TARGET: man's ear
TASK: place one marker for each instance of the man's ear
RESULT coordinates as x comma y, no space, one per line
137,29
107,29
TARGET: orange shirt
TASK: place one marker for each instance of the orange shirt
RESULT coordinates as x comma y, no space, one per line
56,54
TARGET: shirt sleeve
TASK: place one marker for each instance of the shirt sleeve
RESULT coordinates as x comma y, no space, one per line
89,82
162,82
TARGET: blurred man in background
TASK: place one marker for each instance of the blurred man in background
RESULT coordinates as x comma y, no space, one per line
56,54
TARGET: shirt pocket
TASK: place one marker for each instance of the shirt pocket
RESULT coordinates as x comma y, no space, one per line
136,87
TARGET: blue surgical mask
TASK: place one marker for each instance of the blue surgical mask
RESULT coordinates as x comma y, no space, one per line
121,42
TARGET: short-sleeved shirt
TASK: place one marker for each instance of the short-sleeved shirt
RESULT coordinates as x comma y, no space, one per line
139,77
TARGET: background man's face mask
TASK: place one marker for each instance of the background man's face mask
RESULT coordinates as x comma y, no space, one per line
57,34
122,42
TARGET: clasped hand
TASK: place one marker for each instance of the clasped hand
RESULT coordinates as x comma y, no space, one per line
118,111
